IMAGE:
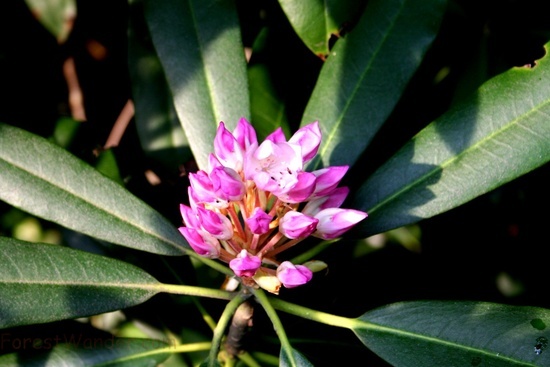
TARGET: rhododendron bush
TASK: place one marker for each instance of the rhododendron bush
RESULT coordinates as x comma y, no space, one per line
274,183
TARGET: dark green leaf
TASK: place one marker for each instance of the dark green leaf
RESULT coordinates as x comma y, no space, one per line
298,359
500,133
366,73
316,21
438,333
199,45
45,180
91,352
41,283
159,130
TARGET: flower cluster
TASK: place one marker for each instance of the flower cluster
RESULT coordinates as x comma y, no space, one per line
255,201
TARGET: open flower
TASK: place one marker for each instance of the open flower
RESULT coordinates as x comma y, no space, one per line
255,200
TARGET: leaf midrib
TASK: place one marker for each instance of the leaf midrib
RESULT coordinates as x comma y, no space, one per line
333,132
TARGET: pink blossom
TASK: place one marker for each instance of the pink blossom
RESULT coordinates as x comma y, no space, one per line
227,149
328,179
227,184
332,200
309,139
293,275
301,190
333,222
216,224
245,134
202,242
297,225
189,216
259,221
274,167
245,264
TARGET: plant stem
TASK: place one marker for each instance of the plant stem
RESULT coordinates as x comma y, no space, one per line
277,324
224,320
313,315
189,290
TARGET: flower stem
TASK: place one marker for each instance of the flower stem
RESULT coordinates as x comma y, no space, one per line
313,315
277,324
224,320
189,290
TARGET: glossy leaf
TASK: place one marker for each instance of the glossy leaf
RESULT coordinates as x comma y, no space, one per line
199,46
90,352
316,21
298,359
439,333
159,130
366,73
45,180
41,283
498,134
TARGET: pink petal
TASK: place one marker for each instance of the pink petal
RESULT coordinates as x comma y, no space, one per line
297,225
293,275
333,222
245,264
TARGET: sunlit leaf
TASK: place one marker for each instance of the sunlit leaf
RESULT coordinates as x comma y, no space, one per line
41,283
158,127
90,352
57,16
316,21
45,180
366,73
200,48
498,134
438,333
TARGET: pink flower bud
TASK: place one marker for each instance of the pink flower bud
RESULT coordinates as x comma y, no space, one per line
328,179
203,190
227,184
259,221
189,216
309,139
297,225
332,200
216,224
245,134
277,136
293,275
227,149
202,242
245,265
301,190
333,222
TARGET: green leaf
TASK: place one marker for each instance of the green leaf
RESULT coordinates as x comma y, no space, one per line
366,73
45,180
316,21
159,130
41,283
199,45
498,134
298,359
91,352
439,333
57,16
